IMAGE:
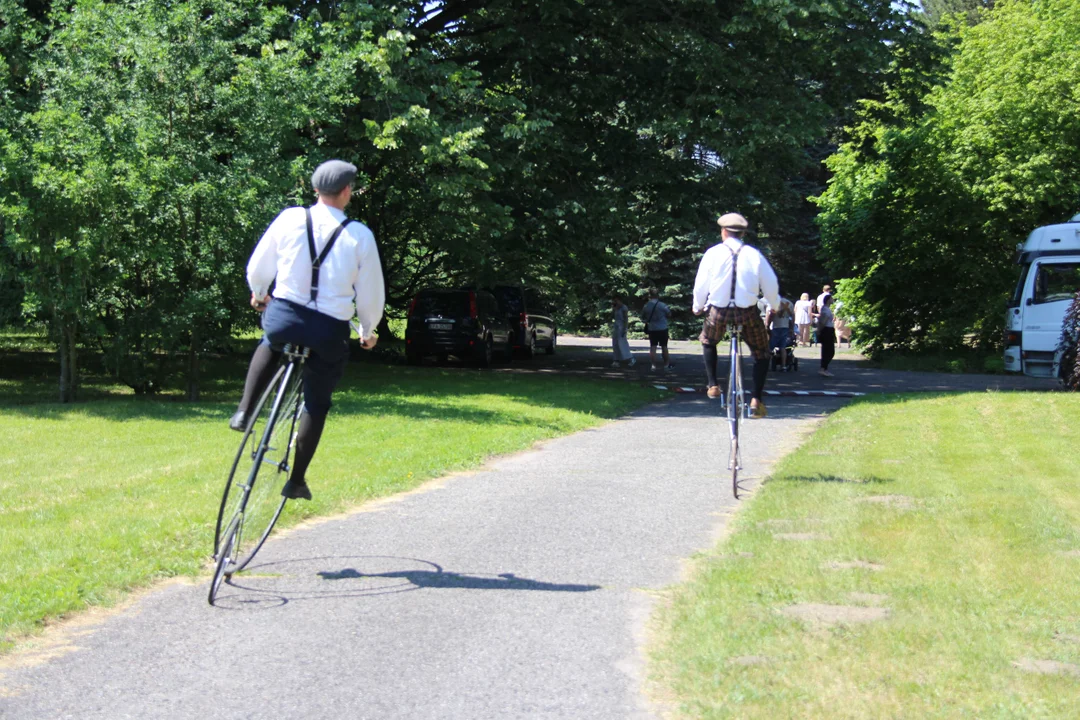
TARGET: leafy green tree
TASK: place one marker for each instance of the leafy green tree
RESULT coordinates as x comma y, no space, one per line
659,116
585,148
922,214
972,10
149,161
21,32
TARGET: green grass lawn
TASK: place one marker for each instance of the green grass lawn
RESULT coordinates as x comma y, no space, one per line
973,557
109,494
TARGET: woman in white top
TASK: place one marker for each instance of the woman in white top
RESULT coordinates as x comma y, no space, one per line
802,319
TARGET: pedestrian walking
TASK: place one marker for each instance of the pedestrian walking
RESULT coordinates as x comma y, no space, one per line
620,346
825,291
655,315
778,320
826,335
729,279
803,321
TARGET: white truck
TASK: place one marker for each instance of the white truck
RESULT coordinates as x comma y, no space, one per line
1049,278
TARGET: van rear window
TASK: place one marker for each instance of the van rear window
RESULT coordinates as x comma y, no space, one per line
510,297
450,304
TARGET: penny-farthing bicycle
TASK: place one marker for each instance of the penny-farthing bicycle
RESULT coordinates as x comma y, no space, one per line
252,503
736,406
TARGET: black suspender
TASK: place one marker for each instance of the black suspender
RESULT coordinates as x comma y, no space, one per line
734,270
317,259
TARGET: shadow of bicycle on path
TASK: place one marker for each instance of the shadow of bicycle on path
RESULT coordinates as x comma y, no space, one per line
276,584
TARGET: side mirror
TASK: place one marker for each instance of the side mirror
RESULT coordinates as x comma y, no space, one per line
1029,301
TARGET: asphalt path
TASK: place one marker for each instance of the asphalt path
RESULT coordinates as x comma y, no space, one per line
852,373
522,590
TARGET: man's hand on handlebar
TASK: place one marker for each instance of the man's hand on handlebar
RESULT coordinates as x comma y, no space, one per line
258,304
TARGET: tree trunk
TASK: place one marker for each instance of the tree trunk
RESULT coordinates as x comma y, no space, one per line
193,369
69,374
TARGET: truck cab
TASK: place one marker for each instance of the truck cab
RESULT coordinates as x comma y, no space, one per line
1049,278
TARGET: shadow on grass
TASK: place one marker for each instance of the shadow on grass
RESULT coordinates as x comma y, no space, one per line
823,478
368,389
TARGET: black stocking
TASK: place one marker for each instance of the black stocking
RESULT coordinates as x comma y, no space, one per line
709,351
263,365
307,440
761,371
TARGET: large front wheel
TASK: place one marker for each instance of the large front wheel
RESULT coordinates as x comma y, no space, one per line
735,411
262,466
225,564
244,462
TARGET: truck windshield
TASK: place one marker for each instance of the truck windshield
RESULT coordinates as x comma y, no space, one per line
1056,282
1018,292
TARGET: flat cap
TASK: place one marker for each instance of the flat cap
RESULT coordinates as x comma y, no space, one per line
733,221
332,176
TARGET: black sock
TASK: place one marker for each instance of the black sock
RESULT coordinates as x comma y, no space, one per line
761,371
307,439
709,352
263,365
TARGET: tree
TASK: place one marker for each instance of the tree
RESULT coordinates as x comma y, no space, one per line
972,10
925,206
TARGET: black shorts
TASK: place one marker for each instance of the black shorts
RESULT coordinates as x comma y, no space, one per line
326,337
658,337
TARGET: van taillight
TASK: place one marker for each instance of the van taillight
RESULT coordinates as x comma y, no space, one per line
524,320
1012,338
412,306
472,305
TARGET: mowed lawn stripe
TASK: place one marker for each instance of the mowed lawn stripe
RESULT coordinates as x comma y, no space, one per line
912,559
102,497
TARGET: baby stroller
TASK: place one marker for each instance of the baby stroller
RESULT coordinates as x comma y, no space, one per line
792,362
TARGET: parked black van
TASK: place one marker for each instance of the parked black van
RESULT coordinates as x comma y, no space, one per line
467,324
531,321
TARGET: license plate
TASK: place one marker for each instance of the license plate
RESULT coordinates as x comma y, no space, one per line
440,326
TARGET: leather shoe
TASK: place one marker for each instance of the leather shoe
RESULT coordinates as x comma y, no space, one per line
296,490
238,421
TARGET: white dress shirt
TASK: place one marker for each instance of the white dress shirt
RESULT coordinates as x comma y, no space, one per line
713,283
350,274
